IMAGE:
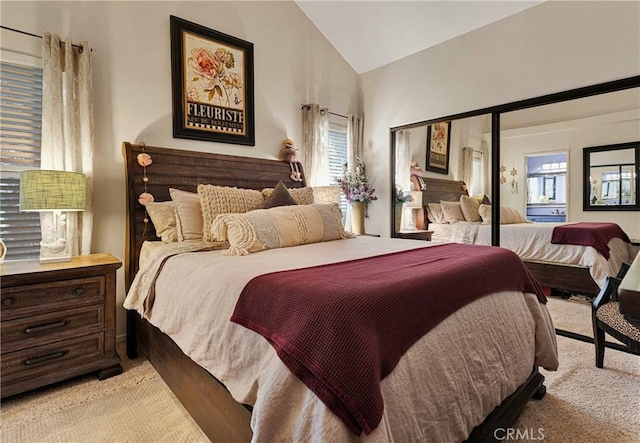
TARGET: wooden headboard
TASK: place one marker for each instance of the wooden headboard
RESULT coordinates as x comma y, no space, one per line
434,190
177,168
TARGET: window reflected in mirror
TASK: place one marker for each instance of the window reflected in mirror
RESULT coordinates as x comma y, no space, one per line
611,177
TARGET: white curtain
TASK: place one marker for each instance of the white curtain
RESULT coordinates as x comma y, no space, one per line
467,167
315,145
403,161
486,181
67,128
355,150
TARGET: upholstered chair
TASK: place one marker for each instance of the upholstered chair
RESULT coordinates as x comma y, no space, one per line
607,318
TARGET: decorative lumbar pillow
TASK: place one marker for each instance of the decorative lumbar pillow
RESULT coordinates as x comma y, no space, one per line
302,196
280,227
163,216
452,211
279,197
435,214
508,215
469,207
216,200
188,214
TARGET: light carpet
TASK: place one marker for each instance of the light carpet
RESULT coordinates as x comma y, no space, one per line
583,404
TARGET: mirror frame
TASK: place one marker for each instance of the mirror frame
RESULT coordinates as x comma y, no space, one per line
586,172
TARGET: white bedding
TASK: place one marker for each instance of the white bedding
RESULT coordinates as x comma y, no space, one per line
532,241
442,387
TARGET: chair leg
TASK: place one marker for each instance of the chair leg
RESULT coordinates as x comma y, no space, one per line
598,336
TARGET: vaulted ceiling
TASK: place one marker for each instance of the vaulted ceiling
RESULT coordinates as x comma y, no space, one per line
370,34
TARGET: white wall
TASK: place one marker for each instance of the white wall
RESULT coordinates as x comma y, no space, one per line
294,64
552,47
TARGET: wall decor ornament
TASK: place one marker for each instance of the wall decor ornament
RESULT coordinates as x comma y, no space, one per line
438,147
212,82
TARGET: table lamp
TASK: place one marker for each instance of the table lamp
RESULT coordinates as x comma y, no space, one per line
415,203
57,192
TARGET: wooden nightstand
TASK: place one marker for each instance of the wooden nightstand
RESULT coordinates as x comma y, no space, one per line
58,321
418,234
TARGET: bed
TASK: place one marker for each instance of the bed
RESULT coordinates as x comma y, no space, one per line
565,267
240,405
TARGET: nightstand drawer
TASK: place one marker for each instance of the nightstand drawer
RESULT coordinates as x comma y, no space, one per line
50,358
36,330
21,301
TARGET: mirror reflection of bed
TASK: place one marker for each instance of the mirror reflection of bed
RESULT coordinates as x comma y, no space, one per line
547,193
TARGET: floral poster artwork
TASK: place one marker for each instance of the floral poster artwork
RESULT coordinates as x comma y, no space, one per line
212,76
438,147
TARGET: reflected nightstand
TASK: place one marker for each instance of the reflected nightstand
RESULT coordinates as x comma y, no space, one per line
416,234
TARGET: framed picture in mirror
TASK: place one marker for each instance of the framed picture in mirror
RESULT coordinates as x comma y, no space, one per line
438,147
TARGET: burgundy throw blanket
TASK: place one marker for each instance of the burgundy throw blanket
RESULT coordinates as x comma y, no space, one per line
341,328
596,235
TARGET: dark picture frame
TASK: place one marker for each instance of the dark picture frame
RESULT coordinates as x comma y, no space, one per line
212,85
438,147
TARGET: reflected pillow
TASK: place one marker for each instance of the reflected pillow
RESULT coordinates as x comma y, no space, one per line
280,227
435,214
508,216
452,211
470,206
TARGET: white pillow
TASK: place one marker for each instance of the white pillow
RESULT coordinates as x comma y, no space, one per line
452,211
508,215
470,207
435,214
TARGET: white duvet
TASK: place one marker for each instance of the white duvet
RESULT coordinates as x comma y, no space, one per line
532,241
444,386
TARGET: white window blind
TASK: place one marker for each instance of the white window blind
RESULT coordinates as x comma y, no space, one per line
337,158
475,187
20,133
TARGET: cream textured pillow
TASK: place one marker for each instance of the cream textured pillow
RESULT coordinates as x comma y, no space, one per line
470,206
163,216
508,216
216,200
188,214
452,211
435,214
280,227
302,196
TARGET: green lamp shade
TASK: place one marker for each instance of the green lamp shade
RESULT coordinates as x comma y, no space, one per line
42,190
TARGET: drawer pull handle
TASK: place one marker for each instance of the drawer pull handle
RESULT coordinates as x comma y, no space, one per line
8,301
79,291
32,329
34,360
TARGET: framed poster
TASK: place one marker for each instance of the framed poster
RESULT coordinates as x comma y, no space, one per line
438,147
212,82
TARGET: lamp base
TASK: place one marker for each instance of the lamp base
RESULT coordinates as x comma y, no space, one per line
54,252
55,259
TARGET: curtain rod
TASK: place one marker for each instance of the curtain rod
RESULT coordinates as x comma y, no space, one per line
332,113
474,150
80,48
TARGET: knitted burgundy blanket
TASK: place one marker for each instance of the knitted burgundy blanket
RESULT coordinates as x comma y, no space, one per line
596,235
341,328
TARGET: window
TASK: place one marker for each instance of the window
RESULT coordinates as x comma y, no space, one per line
475,187
337,158
20,131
